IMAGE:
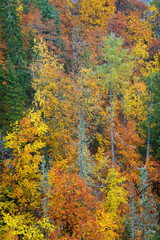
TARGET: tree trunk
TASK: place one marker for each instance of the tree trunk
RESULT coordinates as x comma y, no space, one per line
111,118
132,207
112,137
150,116
149,132
82,140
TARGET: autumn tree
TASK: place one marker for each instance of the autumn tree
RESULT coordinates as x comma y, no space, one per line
21,180
72,206
54,99
114,77
115,200
72,159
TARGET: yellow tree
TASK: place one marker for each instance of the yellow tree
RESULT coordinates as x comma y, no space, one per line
21,191
115,199
53,98
96,13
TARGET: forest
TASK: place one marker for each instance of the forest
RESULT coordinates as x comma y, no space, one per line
79,120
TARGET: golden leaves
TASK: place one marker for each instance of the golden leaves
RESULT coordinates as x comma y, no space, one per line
27,226
96,12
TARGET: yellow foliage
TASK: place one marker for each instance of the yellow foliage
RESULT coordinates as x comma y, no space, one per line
19,8
141,49
153,15
133,98
116,193
139,30
115,201
154,65
26,225
96,12
27,142
108,226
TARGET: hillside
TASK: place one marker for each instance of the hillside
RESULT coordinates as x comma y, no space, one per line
79,120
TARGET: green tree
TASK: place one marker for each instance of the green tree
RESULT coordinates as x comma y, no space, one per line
155,130
151,126
13,99
148,217
17,78
114,75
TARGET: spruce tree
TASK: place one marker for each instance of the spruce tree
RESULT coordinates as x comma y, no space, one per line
16,75
12,106
148,216
2,87
143,216
155,129
151,126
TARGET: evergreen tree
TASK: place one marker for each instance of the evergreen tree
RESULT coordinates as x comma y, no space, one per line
156,235
143,218
48,10
151,126
51,21
2,82
155,130
13,38
13,99
148,217
17,78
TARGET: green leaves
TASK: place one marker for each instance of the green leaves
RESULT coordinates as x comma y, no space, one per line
118,65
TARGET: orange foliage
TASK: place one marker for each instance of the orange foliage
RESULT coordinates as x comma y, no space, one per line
72,206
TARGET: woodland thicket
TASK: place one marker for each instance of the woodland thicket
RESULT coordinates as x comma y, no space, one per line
79,120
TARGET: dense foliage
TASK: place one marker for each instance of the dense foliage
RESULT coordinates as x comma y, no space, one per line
80,119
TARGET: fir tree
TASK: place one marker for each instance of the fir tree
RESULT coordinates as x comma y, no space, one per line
151,126
12,105
148,217
17,88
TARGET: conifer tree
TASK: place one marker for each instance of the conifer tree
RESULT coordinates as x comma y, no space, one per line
114,75
148,217
151,124
13,99
50,27
17,78
155,121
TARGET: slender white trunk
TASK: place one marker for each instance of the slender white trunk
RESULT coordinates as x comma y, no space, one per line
111,118
45,187
81,142
150,118
149,132
112,137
